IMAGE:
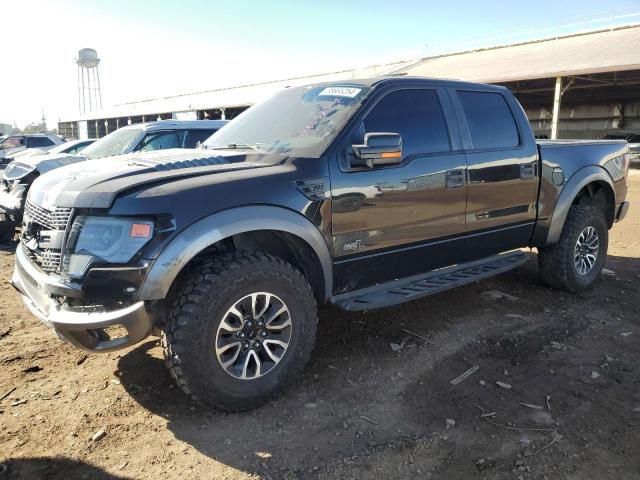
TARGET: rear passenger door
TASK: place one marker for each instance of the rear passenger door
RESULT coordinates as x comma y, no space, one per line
502,172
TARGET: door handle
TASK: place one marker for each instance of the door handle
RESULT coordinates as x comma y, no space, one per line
455,178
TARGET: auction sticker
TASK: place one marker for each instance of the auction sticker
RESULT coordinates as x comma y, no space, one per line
349,92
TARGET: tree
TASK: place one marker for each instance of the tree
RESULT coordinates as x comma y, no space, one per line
35,128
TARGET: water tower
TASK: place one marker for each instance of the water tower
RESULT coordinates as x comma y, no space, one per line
89,95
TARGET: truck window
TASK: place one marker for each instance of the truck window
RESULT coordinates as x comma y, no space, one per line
195,136
12,142
162,141
491,123
38,142
297,121
416,115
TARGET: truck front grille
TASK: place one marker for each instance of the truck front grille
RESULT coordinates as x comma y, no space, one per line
56,219
37,220
47,260
15,171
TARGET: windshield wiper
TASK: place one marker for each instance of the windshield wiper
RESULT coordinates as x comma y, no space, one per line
236,146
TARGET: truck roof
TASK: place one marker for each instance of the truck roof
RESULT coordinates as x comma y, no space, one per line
169,124
405,79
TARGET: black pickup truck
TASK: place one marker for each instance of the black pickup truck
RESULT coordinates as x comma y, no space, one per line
364,194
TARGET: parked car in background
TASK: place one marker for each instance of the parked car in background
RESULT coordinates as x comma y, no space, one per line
72,147
16,143
365,194
634,143
16,178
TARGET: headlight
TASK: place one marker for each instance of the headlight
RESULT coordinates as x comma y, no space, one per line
104,239
16,171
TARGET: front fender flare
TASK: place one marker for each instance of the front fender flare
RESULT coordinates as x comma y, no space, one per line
207,231
569,192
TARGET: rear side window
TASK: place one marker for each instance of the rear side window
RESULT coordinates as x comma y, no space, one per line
39,142
416,115
195,136
491,123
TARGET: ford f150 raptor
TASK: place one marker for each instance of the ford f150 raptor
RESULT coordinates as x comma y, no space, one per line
364,194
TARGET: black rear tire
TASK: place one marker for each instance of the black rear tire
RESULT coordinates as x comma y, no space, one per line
557,262
198,308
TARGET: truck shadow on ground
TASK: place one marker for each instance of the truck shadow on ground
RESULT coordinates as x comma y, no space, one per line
8,246
45,468
370,385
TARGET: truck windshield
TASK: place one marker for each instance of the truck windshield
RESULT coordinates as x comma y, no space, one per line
116,143
299,121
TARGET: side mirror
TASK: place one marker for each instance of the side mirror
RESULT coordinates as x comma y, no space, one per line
379,149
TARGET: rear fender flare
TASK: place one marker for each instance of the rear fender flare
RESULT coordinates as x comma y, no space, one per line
570,191
214,228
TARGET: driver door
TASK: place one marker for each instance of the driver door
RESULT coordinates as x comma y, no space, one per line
399,220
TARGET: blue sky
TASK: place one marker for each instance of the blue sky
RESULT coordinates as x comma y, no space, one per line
169,47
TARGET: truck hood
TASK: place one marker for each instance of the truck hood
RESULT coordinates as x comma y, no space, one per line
96,183
44,163
8,152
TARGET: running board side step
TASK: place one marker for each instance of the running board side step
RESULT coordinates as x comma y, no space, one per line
411,288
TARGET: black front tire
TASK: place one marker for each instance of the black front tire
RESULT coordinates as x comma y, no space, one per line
7,228
557,262
197,310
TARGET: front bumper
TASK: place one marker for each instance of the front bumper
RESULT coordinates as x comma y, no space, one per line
621,211
78,325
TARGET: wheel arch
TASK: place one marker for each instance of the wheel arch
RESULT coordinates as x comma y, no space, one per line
592,182
275,230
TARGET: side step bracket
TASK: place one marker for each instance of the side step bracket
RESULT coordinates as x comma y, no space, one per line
411,288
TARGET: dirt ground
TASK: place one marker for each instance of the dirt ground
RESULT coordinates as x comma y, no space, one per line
376,401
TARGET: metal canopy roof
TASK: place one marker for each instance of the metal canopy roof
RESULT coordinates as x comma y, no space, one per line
594,52
239,96
599,52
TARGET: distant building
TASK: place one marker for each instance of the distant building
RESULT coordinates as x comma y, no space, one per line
583,85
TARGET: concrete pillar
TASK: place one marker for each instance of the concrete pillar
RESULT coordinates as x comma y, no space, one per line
222,114
556,108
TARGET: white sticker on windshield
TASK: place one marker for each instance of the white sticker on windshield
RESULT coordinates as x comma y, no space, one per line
350,92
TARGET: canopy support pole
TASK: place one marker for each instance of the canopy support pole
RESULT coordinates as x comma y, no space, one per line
556,108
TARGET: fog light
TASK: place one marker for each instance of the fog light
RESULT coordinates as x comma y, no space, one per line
76,264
